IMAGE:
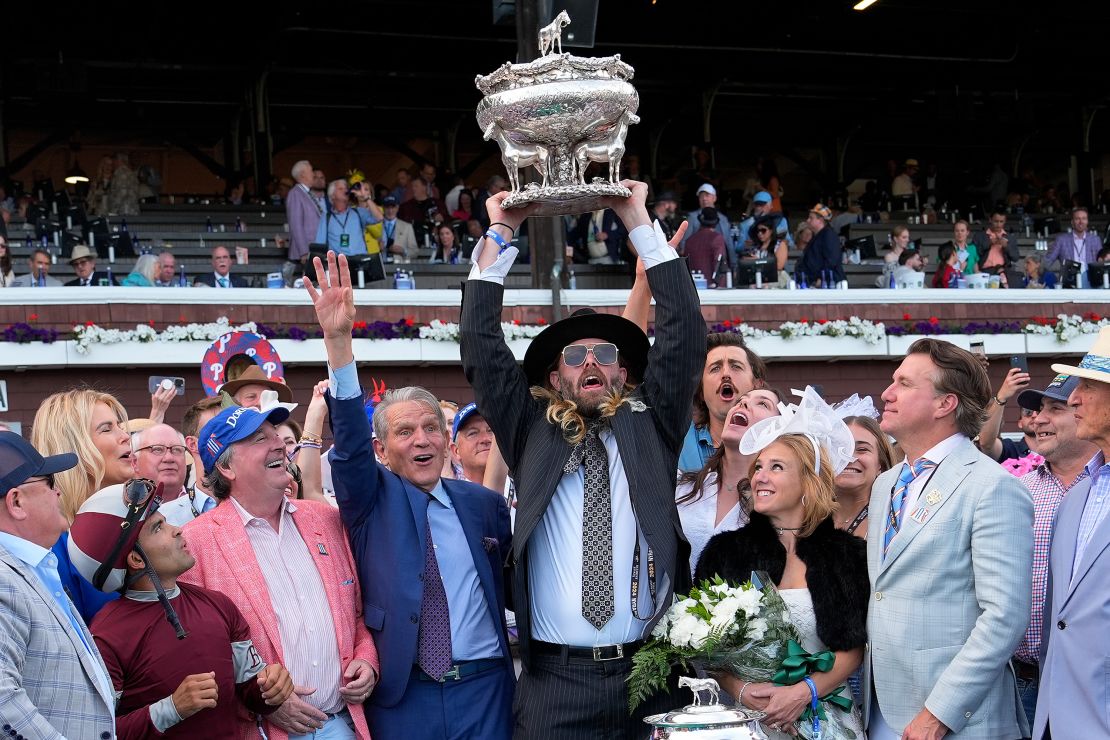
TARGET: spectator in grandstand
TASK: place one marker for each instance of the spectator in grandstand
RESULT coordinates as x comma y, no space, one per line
397,237
1035,274
144,273
7,276
303,213
707,198
83,260
342,227
494,185
1080,245
221,276
428,174
96,204
319,188
464,210
401,190
423,211
909,262
167,271
821,261
123,197
948,268
39,274
761,210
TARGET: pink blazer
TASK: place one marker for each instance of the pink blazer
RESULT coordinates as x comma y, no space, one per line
226,563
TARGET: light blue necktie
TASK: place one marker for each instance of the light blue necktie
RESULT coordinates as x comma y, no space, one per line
898,498
223,282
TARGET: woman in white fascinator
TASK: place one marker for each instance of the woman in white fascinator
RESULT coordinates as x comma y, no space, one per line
820,571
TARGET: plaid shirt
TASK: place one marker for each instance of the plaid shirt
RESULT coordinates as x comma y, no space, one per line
1047,492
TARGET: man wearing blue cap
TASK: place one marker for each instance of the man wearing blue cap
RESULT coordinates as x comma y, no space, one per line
1062,474
53,682
471,442
761,211
286,565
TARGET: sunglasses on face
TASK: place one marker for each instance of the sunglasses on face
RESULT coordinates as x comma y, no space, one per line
763,231
605,353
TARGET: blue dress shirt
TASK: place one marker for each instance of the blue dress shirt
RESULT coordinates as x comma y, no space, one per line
351,222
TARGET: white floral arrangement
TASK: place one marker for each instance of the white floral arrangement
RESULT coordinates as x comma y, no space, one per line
869,331
86,335
444,331
1068,327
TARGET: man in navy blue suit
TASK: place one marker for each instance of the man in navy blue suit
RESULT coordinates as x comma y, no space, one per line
430,552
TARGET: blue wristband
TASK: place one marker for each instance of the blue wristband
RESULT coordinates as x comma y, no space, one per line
813,707
497,238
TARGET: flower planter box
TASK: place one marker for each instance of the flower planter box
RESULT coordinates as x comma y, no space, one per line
439,351
138,354
899,346
816,348
1048,345
34,354
383,351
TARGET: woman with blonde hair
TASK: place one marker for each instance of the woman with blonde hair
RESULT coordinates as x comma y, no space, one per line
89,423
820,571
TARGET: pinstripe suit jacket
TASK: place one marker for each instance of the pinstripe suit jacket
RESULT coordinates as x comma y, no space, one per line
649,442
951,599
48,687
226,563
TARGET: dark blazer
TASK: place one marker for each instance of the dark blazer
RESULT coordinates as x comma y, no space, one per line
385,517
96,278
836,573
209,279
649,440
822,254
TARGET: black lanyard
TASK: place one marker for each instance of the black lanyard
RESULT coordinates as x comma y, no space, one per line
652,586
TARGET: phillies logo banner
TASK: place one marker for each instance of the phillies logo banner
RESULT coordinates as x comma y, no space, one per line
226,346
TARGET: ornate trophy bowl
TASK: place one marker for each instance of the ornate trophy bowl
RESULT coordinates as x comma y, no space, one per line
558,114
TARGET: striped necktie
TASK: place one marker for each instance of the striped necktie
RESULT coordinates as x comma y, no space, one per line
898,497
223,282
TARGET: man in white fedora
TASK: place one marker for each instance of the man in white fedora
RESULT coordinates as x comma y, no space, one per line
1075,654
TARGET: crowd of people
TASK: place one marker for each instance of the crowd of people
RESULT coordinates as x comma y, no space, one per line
230,577
431,217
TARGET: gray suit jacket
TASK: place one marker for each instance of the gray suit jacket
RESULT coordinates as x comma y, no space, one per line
951,599
1075,650
648,440
48,686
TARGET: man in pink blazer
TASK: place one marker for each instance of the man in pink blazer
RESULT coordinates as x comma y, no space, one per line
281,562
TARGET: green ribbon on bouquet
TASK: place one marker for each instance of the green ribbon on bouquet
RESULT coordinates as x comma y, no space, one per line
798,664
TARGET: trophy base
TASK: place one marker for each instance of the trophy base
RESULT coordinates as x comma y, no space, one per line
563,200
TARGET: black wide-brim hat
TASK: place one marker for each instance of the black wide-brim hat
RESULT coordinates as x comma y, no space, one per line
584,323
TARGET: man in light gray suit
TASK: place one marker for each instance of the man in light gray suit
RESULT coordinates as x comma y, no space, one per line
950,553
303,213
53,683
1074,699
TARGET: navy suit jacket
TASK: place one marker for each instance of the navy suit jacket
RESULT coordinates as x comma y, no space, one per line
209,279
385,516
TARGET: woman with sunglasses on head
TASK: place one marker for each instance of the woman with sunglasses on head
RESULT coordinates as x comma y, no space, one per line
709,501
767,245
820,571
91,424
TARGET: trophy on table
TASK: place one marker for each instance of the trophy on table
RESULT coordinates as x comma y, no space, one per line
558,114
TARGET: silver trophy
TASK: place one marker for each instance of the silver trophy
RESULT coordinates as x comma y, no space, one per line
558,114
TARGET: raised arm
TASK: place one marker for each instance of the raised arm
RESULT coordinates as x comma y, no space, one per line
990,436
639,298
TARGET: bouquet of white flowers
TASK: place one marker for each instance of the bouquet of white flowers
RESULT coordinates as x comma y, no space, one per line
743,630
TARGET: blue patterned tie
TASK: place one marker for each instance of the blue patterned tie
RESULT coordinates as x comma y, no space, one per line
898,498
434,635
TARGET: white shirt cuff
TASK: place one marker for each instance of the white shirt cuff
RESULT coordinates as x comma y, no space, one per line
496,272
651,244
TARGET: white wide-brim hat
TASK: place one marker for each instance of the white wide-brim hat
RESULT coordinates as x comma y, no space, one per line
1096,364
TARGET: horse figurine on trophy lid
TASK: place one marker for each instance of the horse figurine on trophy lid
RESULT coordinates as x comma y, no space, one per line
558,114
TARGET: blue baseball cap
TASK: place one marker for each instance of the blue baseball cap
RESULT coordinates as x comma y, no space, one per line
762,197
471,409
233,424
20,461
1058,390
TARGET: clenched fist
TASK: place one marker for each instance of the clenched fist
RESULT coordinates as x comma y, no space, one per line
195,693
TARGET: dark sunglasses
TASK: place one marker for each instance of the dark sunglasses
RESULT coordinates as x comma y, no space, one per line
762,231
605,353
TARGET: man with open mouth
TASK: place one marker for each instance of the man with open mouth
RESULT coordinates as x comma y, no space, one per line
590,428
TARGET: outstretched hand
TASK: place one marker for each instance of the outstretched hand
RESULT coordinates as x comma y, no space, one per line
511,217
334,302
632,211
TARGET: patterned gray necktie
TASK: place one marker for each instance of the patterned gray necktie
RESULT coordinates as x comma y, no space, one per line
597,526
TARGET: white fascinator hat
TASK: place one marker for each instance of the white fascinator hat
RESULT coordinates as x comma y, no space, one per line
813,418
